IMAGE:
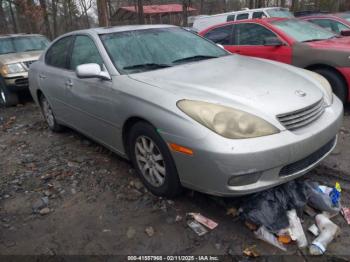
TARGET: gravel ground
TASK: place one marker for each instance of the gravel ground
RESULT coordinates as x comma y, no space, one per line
64,194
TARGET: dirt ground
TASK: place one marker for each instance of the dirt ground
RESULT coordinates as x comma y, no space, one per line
62,194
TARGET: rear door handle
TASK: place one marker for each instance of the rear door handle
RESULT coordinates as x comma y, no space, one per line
69,83
42,76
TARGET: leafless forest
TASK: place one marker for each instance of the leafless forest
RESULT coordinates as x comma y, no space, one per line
55,17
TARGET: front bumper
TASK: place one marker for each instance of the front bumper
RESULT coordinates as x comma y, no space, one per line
17,82
256,164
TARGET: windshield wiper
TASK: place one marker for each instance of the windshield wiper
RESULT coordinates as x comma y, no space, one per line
146,66
313,40
34,49
194,58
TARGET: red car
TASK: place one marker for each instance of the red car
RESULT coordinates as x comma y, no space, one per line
290,41
335,22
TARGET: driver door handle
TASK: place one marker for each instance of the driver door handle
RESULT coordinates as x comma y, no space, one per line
42,76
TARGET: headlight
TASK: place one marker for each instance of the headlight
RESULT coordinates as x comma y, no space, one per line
12,69
225,121
326,87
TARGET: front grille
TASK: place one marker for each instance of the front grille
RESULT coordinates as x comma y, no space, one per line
29,63
22,82
302,117
308,161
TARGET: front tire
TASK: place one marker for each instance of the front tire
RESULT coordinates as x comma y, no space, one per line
339,87
152,160
49,115
7,98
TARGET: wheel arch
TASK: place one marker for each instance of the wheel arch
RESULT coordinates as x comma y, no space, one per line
330,68
128,124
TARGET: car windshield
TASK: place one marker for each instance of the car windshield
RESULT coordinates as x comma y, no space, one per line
346,16
22,44
279,12
303,31
156,48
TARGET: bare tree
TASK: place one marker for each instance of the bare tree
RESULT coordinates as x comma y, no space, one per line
54,17
140,14
86,5
3,20
46,18
102,12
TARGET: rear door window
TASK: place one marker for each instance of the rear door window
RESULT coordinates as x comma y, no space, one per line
231,18
258,14
58,54
242,16
251,34
221,35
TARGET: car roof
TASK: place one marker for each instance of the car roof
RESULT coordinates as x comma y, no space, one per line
18,35
319,16
257,20
115,29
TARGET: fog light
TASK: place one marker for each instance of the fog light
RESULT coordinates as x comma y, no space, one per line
245,179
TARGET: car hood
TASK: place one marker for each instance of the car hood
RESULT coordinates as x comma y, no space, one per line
20,57
342,43
251,84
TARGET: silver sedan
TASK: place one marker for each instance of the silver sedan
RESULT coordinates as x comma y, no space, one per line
186,112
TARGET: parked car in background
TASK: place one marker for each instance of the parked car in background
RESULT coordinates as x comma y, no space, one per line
290,41
332,22
202,22
185,111
17,53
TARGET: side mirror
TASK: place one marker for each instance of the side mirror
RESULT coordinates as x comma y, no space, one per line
273,41
345,33
91,71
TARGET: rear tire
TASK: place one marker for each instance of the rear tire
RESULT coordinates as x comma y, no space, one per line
152,160
338,85
7,98
49,115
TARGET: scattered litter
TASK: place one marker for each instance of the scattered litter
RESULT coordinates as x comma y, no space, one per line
296,229
310,211
106,230
320,200
44,211
251,226
178,218
196,227
314,230
284,239
232,212
345,211
263,234
251,251
149,231
130,233
203,220
329,231
268,208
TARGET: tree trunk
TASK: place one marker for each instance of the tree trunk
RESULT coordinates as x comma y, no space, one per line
102,12
54,18
140,14
13,18
184,13
3,21
46,18
251,4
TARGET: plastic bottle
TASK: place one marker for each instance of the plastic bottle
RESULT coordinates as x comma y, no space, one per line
297,232
329,231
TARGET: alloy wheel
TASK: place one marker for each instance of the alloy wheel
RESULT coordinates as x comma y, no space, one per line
2,98
150,161
48,114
